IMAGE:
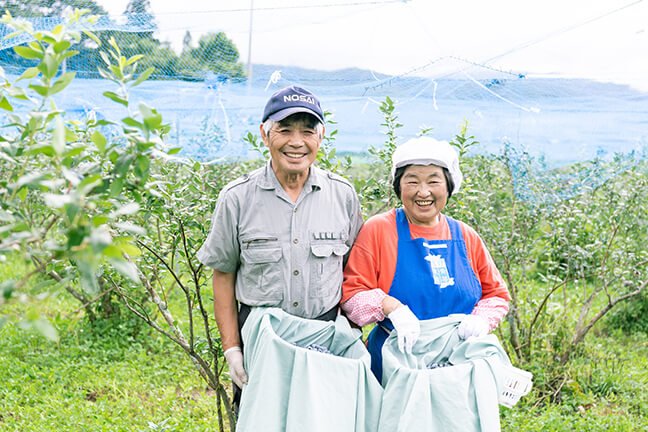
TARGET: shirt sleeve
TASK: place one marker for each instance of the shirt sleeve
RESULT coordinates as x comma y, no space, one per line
221,249
362,268
492,309
365,307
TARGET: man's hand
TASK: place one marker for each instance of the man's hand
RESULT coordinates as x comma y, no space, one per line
472,325
234,357
407,328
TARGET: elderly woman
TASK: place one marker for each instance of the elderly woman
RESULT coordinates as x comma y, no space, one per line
414,263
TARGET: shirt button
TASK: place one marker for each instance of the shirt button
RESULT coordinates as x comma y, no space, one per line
296,272
295,210
295,241
295,304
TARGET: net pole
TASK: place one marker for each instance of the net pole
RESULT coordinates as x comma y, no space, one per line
249,60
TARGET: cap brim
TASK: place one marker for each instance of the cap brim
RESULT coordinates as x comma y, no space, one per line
282,114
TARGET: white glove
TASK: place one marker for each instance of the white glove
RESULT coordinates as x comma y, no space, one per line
234,357
473,325
407,328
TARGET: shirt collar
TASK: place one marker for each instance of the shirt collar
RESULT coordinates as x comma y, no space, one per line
269,180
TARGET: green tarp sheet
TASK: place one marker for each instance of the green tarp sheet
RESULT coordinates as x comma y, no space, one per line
461,397
295,389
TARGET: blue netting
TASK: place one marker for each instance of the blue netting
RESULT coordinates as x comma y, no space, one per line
203,91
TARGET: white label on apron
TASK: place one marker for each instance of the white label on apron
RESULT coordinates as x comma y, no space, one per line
436,246
440,271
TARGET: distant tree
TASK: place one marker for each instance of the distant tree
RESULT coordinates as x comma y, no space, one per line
49,8
186,41
139,14
35,9
215,53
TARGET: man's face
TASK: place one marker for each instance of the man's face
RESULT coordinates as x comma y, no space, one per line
293,146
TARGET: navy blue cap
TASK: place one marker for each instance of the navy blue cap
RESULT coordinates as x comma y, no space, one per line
291,100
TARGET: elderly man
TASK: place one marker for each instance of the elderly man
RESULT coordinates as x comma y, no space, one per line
280,233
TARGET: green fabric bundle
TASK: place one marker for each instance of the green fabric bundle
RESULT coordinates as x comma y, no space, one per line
294,389
461,397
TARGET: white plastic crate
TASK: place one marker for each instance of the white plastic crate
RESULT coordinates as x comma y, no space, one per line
514,383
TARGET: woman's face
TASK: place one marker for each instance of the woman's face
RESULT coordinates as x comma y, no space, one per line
424,193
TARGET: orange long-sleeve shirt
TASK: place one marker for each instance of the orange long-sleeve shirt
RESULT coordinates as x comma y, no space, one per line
372,262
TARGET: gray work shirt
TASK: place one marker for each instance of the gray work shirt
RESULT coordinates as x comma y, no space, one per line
284,253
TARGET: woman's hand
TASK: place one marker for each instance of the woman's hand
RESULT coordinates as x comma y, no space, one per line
407,327
472,325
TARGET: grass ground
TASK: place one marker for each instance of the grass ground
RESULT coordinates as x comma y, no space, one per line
108,378
114,378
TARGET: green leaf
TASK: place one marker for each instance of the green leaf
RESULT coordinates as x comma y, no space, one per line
29,73
62,82
127,209
68,54
56,200
45,328
133,59
49,66
28,53
92,36
123,163
88,277
125,245
71,211
116,98
73,151
116,71
142,166
41,90
129,121
100,238
116,187
143,76
45,149
105,57
61,46
58,138
126,268
5,105
153,123
6,288
45,38
5,216
71,176
89,183
32,179
131,228
100,220
99,140
113,44
174,150
75,35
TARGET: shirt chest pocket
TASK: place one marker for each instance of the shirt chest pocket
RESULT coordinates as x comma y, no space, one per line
261,273
326,268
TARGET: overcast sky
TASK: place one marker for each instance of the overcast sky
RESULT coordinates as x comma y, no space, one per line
599,39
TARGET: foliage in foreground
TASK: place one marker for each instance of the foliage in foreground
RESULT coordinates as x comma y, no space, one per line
111,220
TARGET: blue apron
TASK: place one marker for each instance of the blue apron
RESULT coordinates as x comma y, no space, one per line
433,277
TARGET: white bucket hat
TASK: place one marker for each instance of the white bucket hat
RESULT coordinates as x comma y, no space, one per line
428,151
